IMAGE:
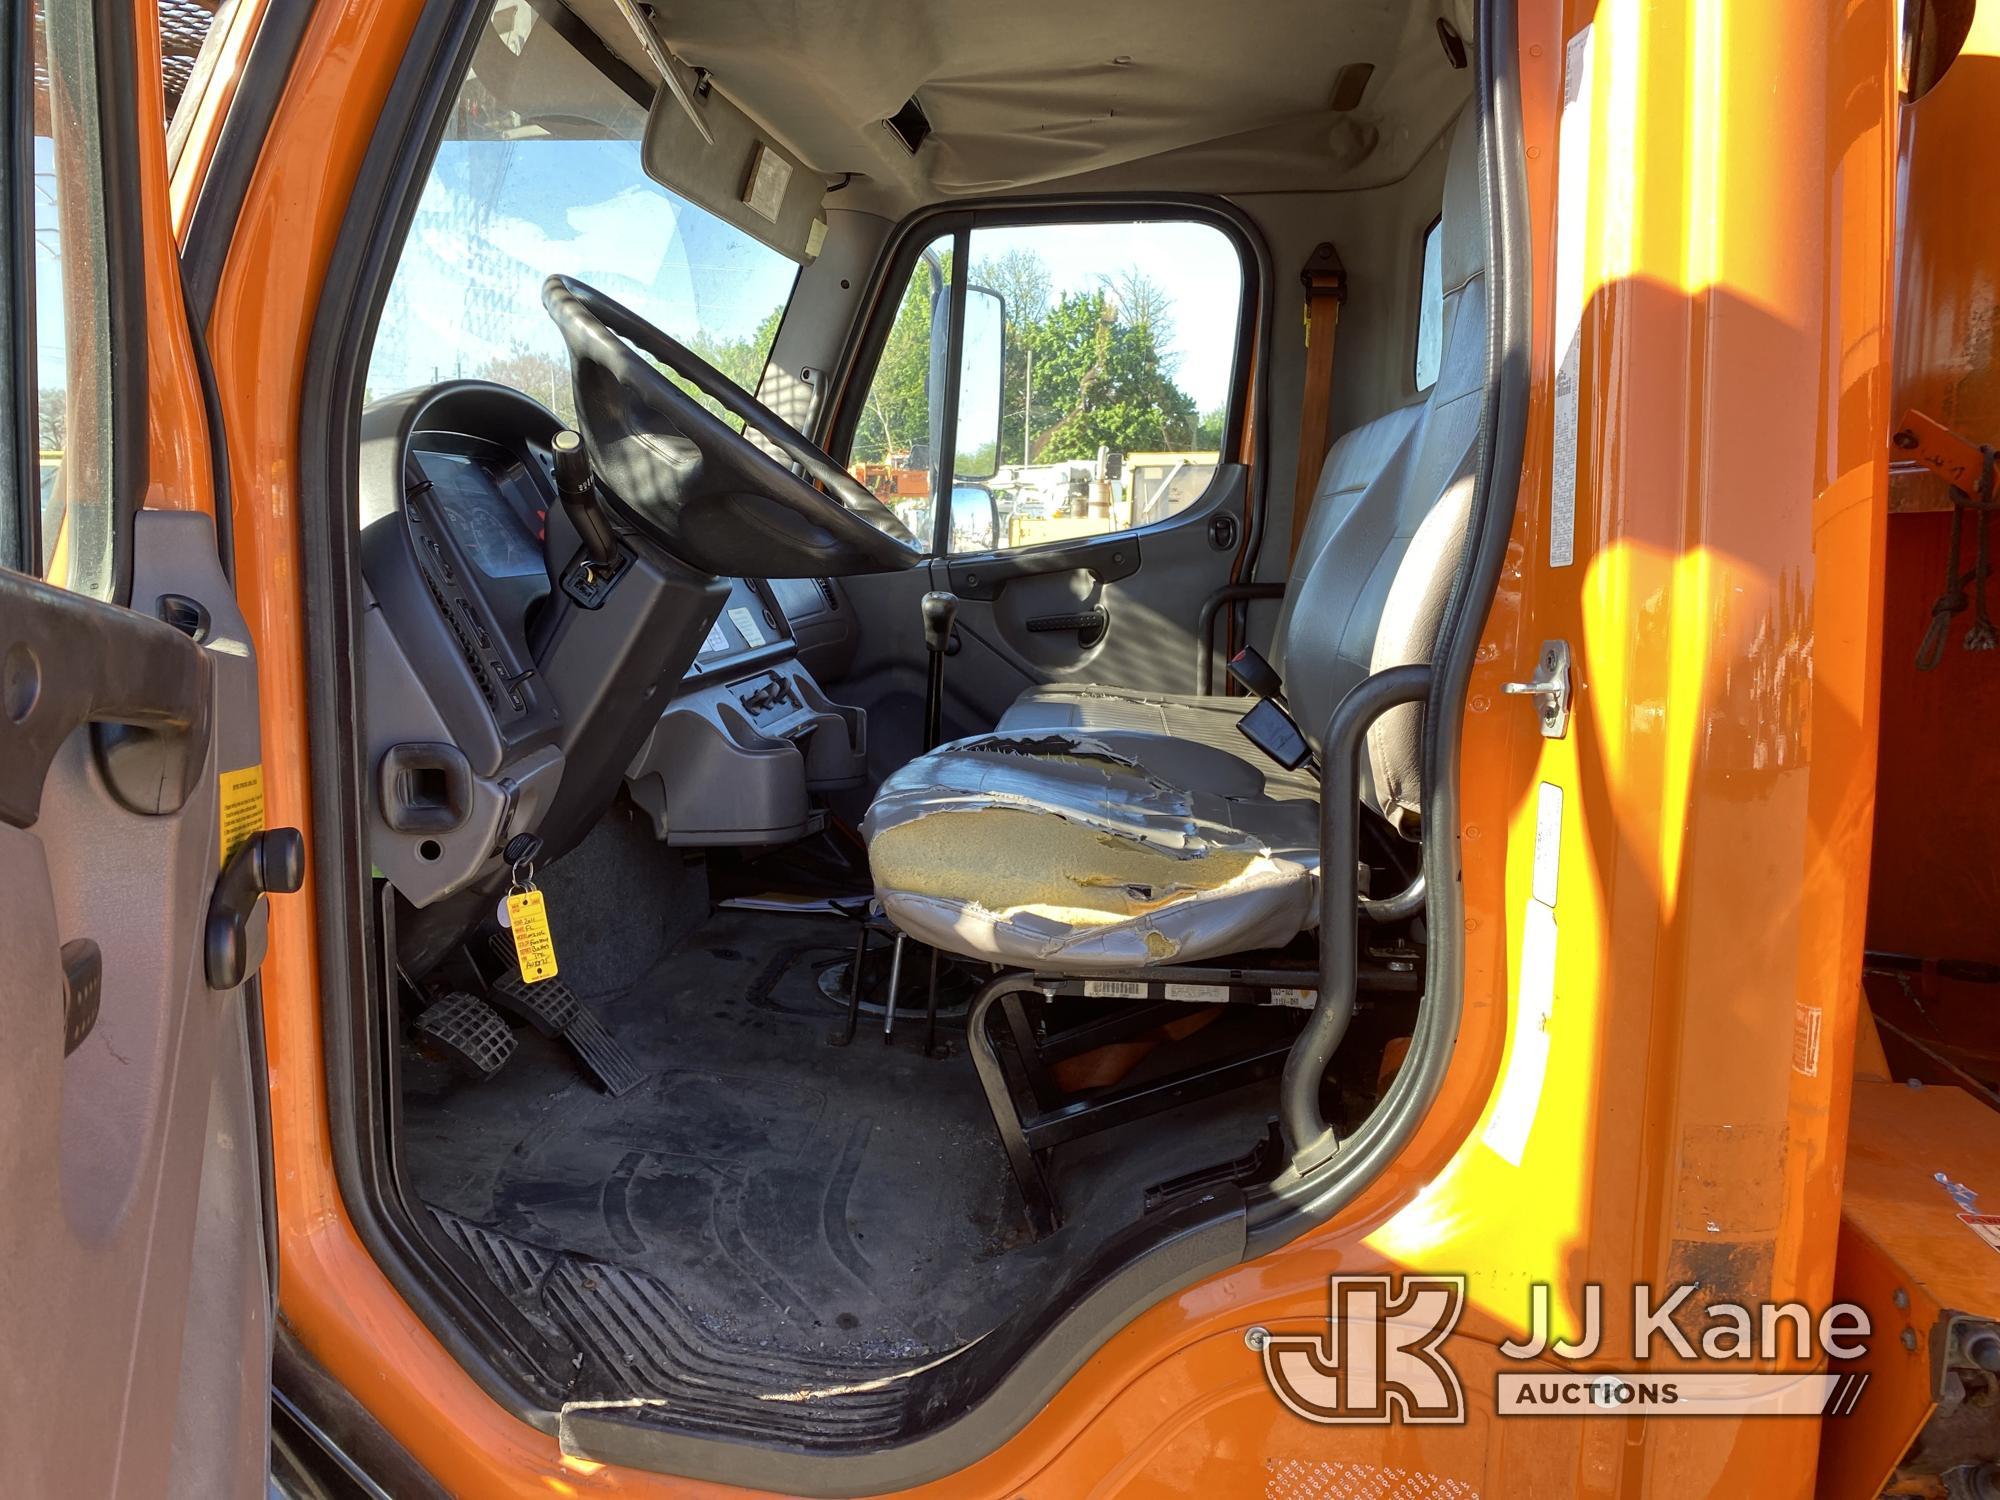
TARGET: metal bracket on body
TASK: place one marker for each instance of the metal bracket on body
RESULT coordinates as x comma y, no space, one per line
1550,687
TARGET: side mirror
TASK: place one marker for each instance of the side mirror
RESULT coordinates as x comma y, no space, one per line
979,367
977,453
975,519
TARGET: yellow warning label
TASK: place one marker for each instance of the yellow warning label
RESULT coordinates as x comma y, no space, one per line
528,920
240,796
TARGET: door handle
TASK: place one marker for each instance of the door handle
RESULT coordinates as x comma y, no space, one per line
1089,624
271,862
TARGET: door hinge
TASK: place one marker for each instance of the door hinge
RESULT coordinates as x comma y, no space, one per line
1549,687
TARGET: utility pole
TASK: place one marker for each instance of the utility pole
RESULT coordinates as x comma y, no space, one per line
1027,404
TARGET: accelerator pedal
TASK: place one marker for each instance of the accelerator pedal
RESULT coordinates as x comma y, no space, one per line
474,1035
552,1008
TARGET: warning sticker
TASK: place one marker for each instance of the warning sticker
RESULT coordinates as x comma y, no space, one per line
1203,992
239,796
528,919
1986,1226
743,620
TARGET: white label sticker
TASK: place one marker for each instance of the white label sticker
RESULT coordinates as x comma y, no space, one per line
717,640
1986,1226
1506,1133
743,620
1572,223
765,183
1805,1040
1207,993
1298,999
1114,989
1548,841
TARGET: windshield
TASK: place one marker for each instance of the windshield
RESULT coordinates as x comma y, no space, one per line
538,172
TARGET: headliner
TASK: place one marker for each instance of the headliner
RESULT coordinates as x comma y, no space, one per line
1042,95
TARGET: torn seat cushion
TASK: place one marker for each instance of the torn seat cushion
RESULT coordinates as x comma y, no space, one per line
1202,719
1082,852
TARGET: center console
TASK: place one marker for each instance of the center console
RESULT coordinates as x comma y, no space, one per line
747,737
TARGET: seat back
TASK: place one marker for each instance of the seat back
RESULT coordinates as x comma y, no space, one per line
1382,547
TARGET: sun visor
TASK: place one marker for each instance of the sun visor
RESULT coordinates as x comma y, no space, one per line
706,149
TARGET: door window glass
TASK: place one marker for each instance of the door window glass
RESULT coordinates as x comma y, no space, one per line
539,172
67,528
1110,351
892,453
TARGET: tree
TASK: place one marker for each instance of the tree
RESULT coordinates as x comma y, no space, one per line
54,406
1103,382
1142,303
896,419
537,373
1020,276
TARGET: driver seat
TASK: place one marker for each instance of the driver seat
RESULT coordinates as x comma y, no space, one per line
1080,848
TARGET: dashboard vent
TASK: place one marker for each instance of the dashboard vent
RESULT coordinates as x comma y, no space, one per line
826,592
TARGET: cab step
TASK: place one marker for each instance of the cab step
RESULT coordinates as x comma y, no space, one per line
553,1009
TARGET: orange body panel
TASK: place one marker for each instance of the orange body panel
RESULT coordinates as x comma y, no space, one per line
178,465
1718,781
1906,1257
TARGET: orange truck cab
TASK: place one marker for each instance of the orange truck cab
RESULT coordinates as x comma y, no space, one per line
1146,748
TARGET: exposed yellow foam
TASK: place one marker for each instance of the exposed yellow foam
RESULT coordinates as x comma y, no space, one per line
1006,861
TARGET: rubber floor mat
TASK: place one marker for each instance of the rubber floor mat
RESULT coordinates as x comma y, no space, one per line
820,1211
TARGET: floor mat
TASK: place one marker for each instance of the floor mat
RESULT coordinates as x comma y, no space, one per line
833,1213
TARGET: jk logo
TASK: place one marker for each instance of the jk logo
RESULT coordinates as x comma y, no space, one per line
1381,1359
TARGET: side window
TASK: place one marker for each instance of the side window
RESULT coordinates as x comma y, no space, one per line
1096,367
65,529
1430,308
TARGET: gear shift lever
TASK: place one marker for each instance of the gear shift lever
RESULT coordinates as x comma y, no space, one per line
940,609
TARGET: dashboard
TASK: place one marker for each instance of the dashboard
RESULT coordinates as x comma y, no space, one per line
512,683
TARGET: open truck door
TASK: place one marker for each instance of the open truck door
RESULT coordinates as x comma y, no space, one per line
135,1281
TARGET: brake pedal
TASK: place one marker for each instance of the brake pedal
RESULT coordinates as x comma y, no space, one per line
553,1009
474,1035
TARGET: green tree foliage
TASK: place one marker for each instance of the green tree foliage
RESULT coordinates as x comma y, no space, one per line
1099,380
897,418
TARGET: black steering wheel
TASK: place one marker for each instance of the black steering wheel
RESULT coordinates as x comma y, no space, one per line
707,493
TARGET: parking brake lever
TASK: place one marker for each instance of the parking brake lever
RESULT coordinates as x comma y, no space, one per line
578,489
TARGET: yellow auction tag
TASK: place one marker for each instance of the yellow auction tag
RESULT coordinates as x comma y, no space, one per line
240,797
534,949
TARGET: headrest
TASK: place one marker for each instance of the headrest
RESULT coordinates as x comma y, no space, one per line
1464,250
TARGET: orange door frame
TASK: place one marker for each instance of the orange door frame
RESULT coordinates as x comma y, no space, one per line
1717,783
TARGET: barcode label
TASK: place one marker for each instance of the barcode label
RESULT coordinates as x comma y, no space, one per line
1115,989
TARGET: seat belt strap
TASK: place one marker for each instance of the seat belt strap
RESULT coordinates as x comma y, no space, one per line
1325,281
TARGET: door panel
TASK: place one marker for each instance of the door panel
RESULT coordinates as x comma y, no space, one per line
1148,584
1135,603
132,1274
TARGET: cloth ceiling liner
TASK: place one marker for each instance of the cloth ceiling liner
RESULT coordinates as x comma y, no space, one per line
1163,94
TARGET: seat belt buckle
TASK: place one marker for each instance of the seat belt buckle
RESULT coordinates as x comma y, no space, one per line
1257,677
1276,733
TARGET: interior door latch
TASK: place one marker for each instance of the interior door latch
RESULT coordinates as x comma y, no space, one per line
1549,687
